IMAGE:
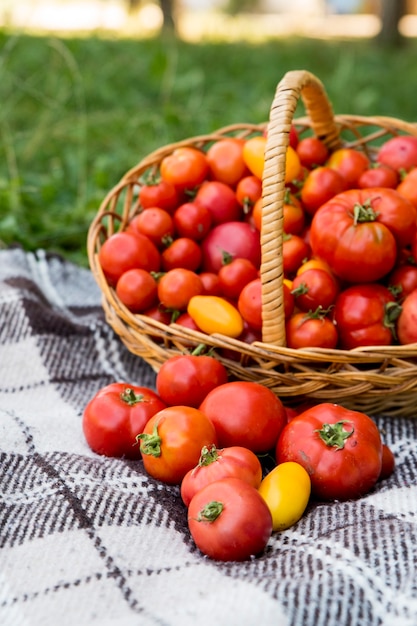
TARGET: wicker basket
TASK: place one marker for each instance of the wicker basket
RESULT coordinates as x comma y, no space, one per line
375,380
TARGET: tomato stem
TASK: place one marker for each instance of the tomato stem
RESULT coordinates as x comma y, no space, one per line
150,443
334,435
208,455
364,213
130,397
210,512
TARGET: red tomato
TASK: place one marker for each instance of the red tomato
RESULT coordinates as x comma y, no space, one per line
228,241
123,251
226,160
182,252
185,168
319,186
155,223
215,464
312,152
248,191
399,152
192,220
310,330
177,287
407,321
229,520
245,414
403,280
293,137
137,289
295,251
188,378
249,304
350,163
408,186
388,462
313,288
340,449
211,284
294,215
220,200
235,275
171,442
379,175
357,232
365,315
187,321
159,193
115,415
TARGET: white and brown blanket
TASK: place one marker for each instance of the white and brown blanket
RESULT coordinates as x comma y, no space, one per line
87,540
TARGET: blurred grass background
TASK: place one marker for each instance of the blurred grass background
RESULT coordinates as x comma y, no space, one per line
76,113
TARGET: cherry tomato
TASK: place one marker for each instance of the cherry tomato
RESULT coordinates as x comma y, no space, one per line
311,329
294,215
216,463
159,193
295,251
211,284
220,200
399,152
402,281
286,490
115,415
185,168
365,315
254,154
225,158
123,251
171,442
407,320
378,175
313,288
192,220
157,224
408,186
187,379
182,252
245,414
177,287
350,163
229,520
235,275
319,186
340,449
137,289
248,191
214,314
249,303
228,241
312,152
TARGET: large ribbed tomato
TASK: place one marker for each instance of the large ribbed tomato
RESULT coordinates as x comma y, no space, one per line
359,232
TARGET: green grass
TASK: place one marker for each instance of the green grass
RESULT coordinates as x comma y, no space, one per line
77,113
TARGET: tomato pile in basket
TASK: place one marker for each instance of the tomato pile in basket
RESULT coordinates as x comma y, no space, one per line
192,254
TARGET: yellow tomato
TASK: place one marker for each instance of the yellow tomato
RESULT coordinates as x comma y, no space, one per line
286,490
314,264
254,157
214,314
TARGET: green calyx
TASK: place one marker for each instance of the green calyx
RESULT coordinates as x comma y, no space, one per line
130,397
210,512
364,213
208,456
334,435
150,443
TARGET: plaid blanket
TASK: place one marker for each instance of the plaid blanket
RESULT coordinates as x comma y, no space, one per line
87,540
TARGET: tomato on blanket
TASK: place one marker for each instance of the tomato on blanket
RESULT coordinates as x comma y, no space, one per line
341,450
115,415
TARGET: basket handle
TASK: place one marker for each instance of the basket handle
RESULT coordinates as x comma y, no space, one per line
293,85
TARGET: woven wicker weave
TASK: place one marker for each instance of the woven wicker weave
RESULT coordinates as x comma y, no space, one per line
371,379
